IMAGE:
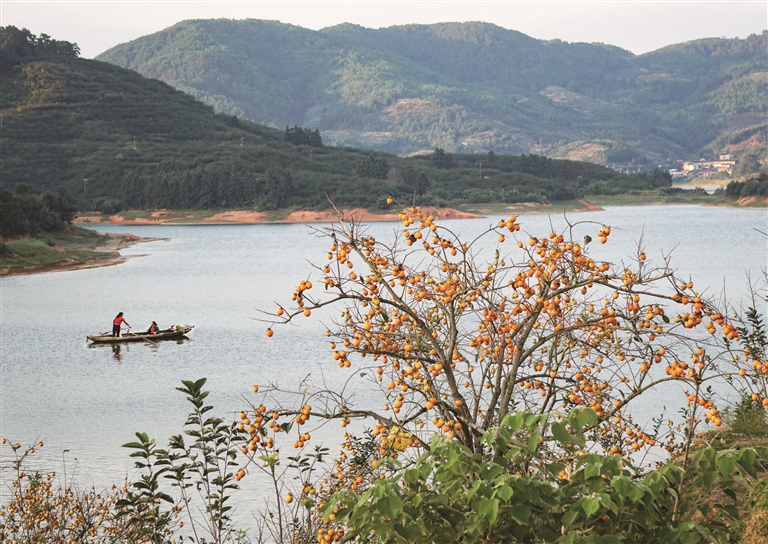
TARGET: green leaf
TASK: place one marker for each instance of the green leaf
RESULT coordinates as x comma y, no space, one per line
731,510
622,485
521,513
488,508
589,505
709,477
726,464
513,422
504,493
569,517
533,441
560,433
411,476
395,504
490,472
592,470
746,462
636,493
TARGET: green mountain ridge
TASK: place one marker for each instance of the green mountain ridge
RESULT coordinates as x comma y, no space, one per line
109,138
467,87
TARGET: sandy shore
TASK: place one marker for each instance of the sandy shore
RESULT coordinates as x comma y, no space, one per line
246,217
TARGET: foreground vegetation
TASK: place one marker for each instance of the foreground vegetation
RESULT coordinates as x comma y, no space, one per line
507,381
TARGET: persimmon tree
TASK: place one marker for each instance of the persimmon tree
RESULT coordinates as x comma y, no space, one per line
455,335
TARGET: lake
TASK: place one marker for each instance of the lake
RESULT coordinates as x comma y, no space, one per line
85,402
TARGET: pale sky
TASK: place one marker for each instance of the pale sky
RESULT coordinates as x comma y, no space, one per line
639,26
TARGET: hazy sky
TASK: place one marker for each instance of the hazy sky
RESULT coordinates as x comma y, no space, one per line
639,26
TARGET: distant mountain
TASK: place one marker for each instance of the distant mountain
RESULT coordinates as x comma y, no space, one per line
469,87
108,138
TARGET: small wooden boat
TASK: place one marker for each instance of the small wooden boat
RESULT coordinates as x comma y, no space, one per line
166,334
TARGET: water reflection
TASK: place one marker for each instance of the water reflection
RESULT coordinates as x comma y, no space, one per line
120,349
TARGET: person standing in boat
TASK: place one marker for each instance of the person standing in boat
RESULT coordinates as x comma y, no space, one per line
117,322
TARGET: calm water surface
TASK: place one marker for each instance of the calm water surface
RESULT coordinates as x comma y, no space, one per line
86,402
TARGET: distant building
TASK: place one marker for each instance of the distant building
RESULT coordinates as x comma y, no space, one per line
676,174
705,168
626,168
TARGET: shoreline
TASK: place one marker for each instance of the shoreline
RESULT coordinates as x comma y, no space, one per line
107,253
360,215
248,217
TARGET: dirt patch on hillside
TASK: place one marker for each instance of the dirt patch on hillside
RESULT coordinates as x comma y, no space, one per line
409,106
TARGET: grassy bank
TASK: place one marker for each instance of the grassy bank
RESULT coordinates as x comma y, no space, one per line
73,249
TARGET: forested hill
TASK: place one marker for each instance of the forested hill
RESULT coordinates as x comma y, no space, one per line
469,87
107,138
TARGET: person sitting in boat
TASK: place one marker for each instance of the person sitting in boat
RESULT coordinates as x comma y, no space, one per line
153,328
117,322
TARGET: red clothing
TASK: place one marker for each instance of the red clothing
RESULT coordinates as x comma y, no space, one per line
119,321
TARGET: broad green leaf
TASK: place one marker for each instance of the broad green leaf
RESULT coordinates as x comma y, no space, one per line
504,493
488,508
726,464
411,476
731,510
709,477
636,493
592,470
569,517
531,420
578,440
533,441
491,471
395,504
513,421
521,513
746,462
589,505
560,433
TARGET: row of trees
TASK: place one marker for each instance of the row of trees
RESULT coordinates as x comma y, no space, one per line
303,136
752,187
207,188
18,43
372,167
24,213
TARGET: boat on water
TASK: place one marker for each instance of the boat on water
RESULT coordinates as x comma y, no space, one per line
165,334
